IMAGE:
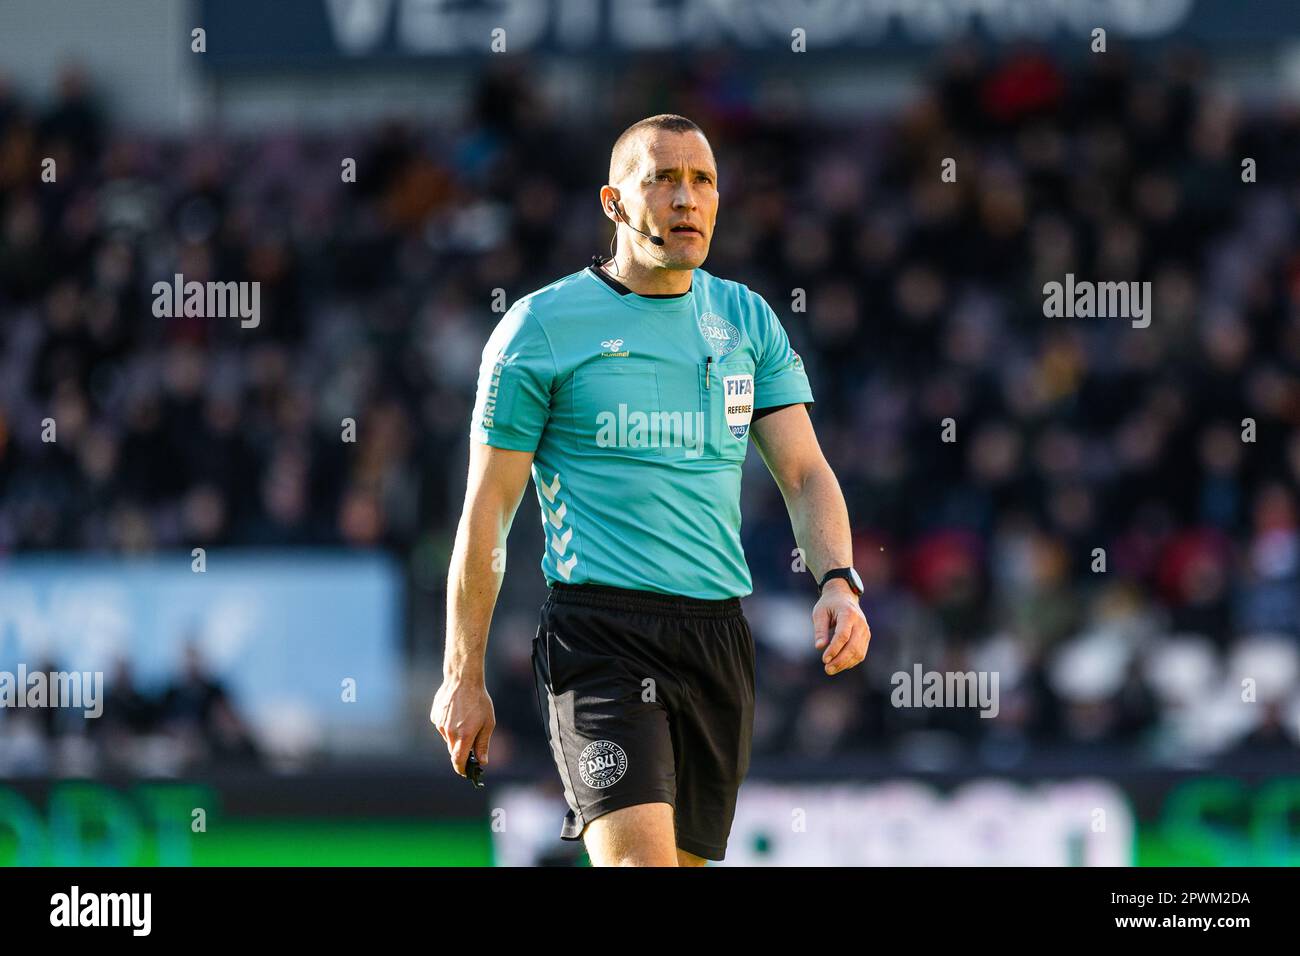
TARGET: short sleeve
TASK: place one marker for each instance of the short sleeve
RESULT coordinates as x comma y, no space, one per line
779,376
513,402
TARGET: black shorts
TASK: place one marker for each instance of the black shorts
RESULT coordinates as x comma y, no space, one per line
647,698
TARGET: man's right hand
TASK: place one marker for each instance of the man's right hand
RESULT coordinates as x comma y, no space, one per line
462,712
462,709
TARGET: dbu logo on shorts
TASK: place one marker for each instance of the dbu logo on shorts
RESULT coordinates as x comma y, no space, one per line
601,764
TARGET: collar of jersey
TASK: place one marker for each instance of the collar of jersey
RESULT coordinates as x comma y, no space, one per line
680,303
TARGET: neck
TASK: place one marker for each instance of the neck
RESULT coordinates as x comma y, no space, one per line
648,280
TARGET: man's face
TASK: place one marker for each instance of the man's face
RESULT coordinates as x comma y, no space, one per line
672,192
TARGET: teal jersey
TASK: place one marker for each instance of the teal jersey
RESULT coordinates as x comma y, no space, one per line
637,410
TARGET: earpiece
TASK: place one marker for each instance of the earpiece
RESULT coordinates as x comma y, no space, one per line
612,206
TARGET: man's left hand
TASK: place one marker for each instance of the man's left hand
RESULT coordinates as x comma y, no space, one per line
840,627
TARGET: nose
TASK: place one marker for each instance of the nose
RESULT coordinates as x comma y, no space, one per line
684,197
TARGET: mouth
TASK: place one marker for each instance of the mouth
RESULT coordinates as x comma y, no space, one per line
686,229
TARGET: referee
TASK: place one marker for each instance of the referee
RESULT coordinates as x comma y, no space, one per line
627,392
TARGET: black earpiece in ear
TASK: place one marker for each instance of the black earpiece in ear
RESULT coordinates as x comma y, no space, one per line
655,239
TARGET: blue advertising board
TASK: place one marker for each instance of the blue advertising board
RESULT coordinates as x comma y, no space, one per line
283,631
290,34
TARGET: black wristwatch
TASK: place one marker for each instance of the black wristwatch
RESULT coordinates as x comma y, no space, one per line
848,574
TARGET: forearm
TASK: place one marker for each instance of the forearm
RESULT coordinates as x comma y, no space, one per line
820,520
473,583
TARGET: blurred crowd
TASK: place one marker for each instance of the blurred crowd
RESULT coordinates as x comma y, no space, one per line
1100,532
185,723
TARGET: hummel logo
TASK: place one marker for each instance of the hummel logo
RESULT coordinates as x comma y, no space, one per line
612,344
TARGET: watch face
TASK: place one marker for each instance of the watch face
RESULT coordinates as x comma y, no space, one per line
857,581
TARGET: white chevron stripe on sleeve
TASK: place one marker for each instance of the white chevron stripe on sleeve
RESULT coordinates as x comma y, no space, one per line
560,542
549,491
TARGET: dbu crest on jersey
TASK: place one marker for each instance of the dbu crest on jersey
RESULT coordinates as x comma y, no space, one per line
738,390
722,336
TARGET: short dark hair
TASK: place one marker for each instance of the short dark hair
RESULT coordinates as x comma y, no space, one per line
621,157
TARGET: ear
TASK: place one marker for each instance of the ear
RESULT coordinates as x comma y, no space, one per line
609,200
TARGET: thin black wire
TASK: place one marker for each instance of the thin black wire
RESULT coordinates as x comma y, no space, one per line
611,251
